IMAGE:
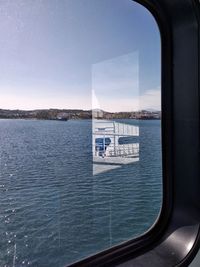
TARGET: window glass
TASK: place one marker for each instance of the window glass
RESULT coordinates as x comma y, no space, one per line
80,128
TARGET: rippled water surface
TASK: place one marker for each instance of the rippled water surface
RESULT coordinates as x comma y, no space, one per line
53,211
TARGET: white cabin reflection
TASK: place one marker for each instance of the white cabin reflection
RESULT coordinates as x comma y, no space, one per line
114,144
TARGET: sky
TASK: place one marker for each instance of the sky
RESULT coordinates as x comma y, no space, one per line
79,54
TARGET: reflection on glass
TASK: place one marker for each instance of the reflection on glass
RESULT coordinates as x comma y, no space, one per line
113,79
80,142
108,152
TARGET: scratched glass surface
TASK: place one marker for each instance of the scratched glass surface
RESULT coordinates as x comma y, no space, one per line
80,128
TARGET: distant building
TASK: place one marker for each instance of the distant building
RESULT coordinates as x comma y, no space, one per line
62,115
97,113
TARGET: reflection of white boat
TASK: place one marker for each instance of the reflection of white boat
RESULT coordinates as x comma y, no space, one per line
114,144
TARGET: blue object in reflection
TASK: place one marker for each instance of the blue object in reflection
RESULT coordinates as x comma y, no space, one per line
101,145
128,140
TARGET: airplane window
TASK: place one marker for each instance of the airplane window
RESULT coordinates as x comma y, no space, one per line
80,128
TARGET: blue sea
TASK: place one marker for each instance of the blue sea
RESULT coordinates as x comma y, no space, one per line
53,210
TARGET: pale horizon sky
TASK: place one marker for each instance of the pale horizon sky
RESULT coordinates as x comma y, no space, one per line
59,53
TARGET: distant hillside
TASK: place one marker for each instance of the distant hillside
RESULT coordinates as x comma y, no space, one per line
52,114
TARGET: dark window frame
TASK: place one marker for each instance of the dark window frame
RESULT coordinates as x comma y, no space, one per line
175,238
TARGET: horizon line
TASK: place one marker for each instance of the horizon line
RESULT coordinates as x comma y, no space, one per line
35,109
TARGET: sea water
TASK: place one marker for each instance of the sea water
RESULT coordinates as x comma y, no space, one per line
53,210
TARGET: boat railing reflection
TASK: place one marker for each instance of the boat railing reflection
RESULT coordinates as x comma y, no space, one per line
114,143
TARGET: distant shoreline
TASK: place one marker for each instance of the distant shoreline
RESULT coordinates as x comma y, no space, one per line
33,119
77,114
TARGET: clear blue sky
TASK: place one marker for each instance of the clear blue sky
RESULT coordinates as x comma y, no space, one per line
54,53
